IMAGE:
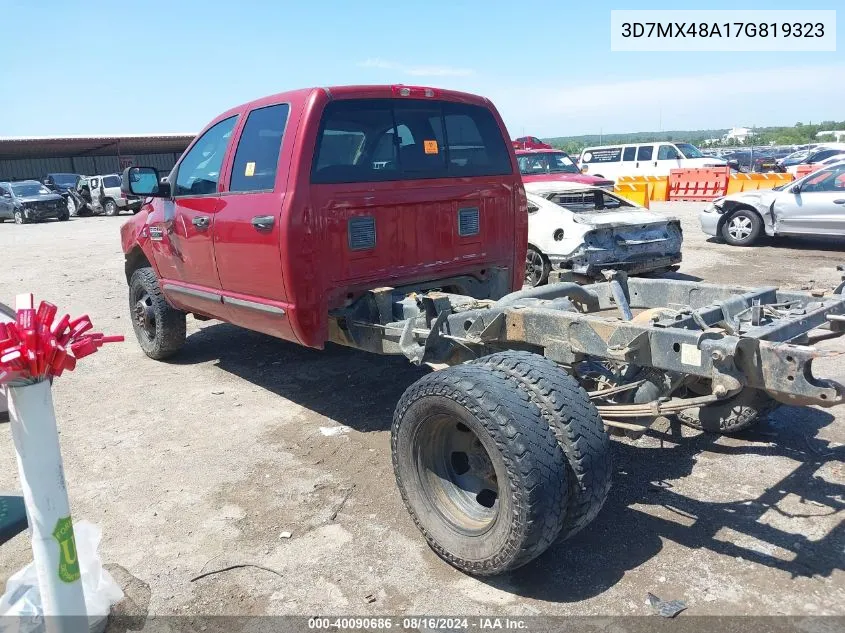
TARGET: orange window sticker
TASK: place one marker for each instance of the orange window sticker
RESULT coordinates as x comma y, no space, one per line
430,147
249,170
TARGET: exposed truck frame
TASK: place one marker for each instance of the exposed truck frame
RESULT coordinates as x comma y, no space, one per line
734,337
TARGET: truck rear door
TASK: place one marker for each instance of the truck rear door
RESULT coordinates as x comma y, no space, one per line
248,225
409,189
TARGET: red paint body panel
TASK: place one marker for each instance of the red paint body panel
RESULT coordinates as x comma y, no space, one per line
303,265
529,142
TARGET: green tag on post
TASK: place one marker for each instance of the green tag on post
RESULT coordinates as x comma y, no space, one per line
68,560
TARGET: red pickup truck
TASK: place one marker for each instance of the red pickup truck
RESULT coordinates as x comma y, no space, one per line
393,219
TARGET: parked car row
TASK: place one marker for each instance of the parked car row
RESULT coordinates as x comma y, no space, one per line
62,195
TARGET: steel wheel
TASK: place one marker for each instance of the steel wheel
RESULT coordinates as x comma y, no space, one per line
740,227
457,474
536,268
144,316
19,219
110,208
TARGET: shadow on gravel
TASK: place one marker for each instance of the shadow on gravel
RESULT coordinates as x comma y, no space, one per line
797,243
354,388
623,536
360,390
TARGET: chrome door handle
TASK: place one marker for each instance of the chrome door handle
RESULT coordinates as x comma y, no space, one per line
263,222
200,221
840,201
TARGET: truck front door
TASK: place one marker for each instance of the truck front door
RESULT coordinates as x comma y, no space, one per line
248,226
181,228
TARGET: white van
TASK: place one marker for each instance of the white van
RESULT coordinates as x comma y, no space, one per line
643,159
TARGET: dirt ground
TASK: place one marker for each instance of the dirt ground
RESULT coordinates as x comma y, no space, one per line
205,461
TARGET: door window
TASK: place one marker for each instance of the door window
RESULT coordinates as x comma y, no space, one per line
94,183
645,152
257,156
199,171
629,153
667,152
111,181
827,180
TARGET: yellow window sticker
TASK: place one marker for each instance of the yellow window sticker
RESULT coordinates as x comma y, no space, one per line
430,147
250,169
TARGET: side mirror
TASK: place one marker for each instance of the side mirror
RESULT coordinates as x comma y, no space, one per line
144,181
796,189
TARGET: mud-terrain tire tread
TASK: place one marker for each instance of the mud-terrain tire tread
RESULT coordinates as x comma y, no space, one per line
171,326
534,462
735,414
576,424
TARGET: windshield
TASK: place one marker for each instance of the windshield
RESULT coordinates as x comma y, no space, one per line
25,189
546,163
689,151
65,180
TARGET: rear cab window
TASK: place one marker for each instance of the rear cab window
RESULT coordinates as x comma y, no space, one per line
373,140
602,155
257,156
588,201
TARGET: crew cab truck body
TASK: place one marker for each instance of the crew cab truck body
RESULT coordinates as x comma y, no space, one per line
394,220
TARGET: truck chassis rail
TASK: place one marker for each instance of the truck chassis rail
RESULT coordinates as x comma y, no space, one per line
733,337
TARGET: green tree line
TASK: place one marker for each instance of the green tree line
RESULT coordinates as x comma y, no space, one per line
798,134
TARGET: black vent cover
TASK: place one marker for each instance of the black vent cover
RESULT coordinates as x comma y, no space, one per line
468,221
362,233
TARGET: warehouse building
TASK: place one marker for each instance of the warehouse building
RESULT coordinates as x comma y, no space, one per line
24,158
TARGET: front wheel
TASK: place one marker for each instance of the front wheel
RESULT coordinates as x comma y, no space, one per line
159,327
72,208
537,268
20,218
479,469
742,228
110,208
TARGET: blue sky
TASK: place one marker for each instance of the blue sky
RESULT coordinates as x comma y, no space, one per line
150,66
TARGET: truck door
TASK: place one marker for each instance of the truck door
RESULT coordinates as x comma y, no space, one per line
181,228
668,158
248,225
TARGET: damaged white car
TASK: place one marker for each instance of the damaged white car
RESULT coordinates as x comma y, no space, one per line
578,231
813,205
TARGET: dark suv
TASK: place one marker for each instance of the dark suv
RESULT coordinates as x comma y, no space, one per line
30,201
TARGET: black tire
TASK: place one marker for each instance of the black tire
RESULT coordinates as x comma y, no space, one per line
742,227
577,426
20,218
160,330
537,267
110,207
511,525
64,216
732,415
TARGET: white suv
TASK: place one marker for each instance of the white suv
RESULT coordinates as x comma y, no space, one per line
106,196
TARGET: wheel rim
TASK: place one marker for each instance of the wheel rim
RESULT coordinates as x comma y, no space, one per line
740,227
533,267
18,217
144,316
110,208
71,206
457,474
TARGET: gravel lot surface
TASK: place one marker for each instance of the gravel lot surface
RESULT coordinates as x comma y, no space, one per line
205,461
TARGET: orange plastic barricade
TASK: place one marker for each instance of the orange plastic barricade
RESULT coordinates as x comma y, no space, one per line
803,170
636,192
658,186
751,182
698,184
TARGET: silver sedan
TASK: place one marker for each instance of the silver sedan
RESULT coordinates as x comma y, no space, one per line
813,205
